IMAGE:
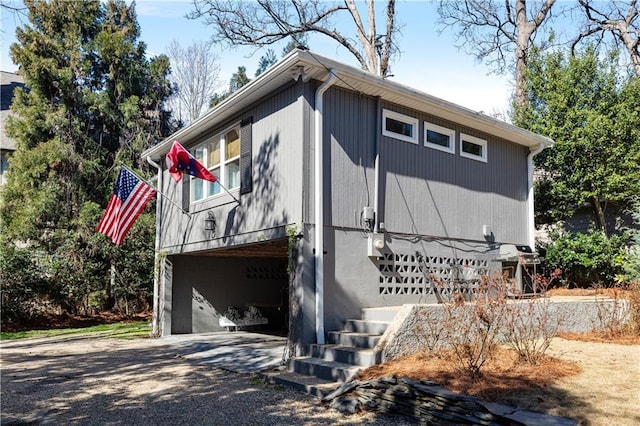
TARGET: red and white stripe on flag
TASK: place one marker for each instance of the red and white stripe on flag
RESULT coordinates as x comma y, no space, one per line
130,196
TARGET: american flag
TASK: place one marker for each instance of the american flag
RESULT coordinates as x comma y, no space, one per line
129,198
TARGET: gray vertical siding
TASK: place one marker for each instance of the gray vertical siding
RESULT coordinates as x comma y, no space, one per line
423,191
349,152
277,150
431,192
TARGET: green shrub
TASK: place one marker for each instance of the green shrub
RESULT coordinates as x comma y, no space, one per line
21,282
632,266
587,259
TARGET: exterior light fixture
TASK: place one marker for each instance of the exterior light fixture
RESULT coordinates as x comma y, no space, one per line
210,224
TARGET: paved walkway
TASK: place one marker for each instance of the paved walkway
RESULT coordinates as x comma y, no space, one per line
239,351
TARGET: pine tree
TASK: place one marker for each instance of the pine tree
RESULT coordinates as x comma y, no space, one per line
93,101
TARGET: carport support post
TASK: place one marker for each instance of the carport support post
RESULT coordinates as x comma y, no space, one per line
156,321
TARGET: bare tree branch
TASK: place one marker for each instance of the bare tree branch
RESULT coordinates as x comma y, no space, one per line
265,22
195,72
500,34
618,18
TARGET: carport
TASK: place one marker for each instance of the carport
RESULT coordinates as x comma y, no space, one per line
242,280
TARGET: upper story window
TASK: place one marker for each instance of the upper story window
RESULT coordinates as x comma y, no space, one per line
473,147
399,126
440,138
221,155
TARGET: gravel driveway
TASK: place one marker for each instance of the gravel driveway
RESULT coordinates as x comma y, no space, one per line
89,380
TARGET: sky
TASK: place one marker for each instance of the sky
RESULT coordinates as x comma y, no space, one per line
429,60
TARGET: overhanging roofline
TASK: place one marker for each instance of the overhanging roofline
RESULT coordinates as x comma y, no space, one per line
317,67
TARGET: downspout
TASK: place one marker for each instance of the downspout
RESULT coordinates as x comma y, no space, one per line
376,167
156,330
530,205
319,207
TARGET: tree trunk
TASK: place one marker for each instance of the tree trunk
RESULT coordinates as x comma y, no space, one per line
522,47
598,211
526,27
632,46
109,299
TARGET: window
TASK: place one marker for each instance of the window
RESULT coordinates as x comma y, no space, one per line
221,155
440,138
473,147
399,126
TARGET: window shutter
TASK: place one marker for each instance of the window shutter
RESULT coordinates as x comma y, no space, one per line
186,192
246,166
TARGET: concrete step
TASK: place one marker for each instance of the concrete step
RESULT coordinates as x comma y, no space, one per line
345,354
386,314
362,326
308,384
327,370
357,340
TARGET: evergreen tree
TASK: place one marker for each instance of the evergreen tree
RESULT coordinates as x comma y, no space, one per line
632,267
93,101
591,108
266,61
238,79
299,41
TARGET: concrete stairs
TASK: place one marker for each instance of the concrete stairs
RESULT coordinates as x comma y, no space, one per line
345,353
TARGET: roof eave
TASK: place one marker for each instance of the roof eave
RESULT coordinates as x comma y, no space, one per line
317,66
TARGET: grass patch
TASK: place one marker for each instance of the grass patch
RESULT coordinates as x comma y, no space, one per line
122,330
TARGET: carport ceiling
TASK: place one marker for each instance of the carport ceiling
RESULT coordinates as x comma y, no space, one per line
275,248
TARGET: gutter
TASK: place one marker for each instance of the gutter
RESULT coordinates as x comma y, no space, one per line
530,202
156,324
319,206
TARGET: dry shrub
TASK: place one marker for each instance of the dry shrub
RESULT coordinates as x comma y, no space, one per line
471,329
531,325
610,326
618,314
430,330
633,296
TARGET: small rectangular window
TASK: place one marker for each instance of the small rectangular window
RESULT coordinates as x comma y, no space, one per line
399,126
440,138
473,147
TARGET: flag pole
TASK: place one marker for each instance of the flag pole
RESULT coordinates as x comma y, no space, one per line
158,191
227,191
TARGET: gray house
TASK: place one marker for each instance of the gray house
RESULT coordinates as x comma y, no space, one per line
8,83
353,191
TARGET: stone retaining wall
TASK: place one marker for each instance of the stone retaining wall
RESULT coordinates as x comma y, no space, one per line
406,334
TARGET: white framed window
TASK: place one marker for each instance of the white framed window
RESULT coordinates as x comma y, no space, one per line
440,138
399,126
473,147
221,155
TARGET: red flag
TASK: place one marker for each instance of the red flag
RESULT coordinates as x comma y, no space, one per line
180,161
130,196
